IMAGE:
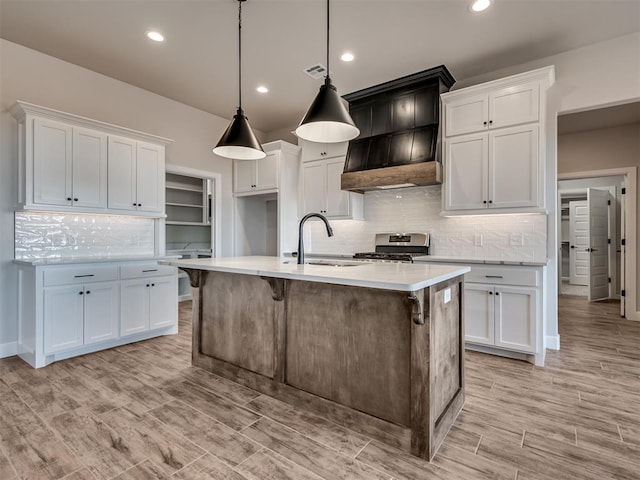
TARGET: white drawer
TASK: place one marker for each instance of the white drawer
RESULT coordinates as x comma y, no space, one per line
148,270
504,275
78,275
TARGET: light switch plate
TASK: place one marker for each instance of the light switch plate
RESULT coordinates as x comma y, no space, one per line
447,295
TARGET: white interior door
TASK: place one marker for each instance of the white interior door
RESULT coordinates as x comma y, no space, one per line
579,243
598,250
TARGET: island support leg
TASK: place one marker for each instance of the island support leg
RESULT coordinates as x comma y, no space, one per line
437,365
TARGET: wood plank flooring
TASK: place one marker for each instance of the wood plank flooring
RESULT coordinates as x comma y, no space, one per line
142,412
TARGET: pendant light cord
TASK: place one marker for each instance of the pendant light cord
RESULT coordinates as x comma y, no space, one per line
328,40
240,55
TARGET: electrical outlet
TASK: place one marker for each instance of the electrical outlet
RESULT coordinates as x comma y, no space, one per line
516,240
477,240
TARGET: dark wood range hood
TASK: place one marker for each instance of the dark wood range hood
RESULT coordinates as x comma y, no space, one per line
399,141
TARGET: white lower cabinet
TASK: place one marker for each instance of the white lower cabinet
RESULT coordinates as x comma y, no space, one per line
73,310
501,316
79,315
515,314
63,318
502,308
148,303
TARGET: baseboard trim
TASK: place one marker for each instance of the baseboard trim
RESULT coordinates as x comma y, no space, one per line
8,349
552,342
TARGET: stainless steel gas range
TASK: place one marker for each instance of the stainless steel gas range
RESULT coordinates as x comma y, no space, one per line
397,247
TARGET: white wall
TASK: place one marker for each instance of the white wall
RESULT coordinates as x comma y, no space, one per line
44,80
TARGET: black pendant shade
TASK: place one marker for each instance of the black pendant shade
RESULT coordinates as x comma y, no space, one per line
327,119
239,141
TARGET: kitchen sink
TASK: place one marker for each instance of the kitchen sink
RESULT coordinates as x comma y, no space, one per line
328,263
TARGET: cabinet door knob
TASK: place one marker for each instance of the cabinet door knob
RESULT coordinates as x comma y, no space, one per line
139,204
88,292
147,284
484,123
497,293
153,284
490,201
135,204
80,293
490,293
75,199
490,122
484,201
68,199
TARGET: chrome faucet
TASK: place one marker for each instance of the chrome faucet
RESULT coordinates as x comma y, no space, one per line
300,240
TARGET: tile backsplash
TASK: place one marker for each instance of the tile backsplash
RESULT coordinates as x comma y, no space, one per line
487,237
40,235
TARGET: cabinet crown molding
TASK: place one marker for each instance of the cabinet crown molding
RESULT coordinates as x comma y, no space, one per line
21,109
281,145
545,75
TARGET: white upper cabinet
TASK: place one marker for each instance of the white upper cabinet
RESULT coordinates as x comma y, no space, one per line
320,151
136,175
320,182
256,175
493,171
52,171
503,108
467,172
89,168
122,174
150,177
71,163
321,192
466,115
514,165
494,145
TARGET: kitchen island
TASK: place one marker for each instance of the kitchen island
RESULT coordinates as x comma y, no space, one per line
376,347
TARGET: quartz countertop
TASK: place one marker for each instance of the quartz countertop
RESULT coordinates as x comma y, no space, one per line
388,276
481,261
442,259
77,260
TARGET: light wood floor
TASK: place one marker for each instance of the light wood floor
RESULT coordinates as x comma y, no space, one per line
142,412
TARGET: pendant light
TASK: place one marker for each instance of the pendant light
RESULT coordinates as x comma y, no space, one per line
327,119
239,141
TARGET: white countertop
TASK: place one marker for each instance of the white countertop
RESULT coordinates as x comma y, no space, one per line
77,260
443,259
484,261
405,277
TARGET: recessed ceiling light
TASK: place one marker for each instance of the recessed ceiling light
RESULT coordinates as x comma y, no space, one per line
262,89
155,36
479,5
347,57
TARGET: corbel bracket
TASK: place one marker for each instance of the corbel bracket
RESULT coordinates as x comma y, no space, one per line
195,276
417,314
277,287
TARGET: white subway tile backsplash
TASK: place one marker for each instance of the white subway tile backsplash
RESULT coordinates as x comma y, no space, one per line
63,235
418,210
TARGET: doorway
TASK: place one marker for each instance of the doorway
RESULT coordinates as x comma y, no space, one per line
591,237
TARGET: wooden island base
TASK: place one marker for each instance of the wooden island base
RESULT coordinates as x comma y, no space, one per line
386,363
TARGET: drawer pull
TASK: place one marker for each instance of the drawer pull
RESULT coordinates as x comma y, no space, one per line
83,276
152,270
493,276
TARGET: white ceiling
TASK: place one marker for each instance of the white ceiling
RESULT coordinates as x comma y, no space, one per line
197,63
